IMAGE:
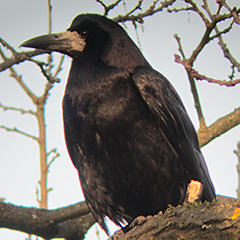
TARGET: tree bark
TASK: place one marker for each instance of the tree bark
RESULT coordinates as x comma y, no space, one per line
209,221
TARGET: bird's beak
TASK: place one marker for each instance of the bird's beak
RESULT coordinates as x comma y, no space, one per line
68,42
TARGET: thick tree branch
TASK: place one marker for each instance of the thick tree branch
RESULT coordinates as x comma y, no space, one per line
71,222
209,221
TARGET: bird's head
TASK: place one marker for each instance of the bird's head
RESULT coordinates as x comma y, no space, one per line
94,37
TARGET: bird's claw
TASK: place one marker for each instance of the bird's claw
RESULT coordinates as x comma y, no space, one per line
139,221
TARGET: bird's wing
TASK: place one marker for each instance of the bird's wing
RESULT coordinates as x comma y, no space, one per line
167,107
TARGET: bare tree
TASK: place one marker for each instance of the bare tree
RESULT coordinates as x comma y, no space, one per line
72,222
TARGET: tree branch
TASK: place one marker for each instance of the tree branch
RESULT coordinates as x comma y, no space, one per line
219,127
108,8
227,53
209,221
195,74
237,152
194,90
19,131
21,110
71,222
149,12
19,57
18,78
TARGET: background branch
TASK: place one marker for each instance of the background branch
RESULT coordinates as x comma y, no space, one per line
21,110
237,152
8,129
140,16
59,223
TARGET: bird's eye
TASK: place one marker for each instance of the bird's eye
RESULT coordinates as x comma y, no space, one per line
84,34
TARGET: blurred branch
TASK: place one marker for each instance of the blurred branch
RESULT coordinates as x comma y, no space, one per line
8,46
193,8
232,11
227,53
58,69
138,7
71,222
56,155
49,16
54,150
237,152
52,78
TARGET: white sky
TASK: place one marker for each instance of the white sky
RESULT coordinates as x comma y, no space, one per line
19,156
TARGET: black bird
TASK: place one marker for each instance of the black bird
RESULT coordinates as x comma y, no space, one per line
127,131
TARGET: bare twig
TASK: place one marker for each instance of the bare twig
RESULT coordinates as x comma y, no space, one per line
195,74
232,11
49,16
220,33
180,48
138,7
58,69
227,53
18,78
237,152
21,110
14,129
197,104
8,46
108,8
56,155
211,24
149,12
54,150
196,9
188,67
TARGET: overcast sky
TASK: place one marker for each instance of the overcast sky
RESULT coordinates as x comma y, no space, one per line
19,156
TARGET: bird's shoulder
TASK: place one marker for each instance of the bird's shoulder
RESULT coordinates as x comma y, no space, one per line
165,104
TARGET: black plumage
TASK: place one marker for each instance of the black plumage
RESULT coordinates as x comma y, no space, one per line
126,129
